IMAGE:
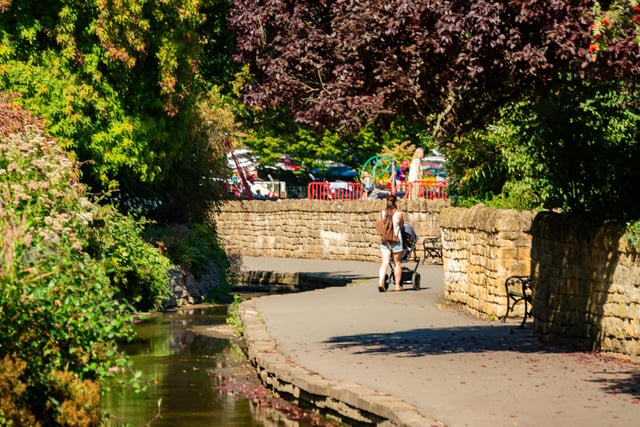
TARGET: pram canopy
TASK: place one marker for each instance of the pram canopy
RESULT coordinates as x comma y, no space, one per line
409,241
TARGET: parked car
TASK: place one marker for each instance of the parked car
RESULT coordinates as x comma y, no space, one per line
286,163
334,171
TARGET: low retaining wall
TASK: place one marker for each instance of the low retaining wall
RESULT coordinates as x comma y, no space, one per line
316,229
273,282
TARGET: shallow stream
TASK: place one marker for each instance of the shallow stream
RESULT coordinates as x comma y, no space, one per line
200,376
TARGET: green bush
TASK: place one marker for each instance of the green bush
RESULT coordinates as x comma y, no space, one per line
194,247
633,235
233,315
190,245
59,312
140,271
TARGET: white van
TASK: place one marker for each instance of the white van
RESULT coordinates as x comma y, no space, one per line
246,159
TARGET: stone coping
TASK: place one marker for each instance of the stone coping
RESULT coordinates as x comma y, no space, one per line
271,282
350,402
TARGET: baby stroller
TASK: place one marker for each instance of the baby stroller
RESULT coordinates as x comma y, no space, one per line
410,276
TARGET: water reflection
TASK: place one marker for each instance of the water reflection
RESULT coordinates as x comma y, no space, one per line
199,375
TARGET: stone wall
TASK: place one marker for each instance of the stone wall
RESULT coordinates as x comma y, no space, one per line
481,247
586,278
587,284
186,289
315,228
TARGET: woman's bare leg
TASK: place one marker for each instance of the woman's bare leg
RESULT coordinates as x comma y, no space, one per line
386,257
397,256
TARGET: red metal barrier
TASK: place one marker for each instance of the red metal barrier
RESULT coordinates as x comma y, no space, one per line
428,190
400,188
335,191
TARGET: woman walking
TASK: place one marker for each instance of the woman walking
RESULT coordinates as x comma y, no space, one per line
415,173
391,249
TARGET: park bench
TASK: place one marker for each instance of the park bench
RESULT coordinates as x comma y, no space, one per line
519,288
432,249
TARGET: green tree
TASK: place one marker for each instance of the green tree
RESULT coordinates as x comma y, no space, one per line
573,149
273,133
584,144
119,84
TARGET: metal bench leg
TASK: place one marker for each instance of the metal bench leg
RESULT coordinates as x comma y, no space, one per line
509,307
526,313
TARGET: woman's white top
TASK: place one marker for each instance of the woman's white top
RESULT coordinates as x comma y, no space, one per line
415,170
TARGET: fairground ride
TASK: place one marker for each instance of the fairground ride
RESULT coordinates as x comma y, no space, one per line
241,174
377,170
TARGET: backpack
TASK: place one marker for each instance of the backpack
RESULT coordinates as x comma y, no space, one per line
384,226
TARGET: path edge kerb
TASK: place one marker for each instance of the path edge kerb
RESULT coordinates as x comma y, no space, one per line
348,400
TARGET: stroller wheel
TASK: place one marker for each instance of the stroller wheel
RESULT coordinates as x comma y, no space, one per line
415,281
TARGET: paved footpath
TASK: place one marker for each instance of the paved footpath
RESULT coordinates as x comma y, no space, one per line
454,368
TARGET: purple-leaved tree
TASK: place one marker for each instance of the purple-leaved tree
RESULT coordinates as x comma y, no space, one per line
450,63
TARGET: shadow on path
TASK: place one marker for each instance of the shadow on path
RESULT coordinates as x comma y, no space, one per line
614,375
619,382
434,341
